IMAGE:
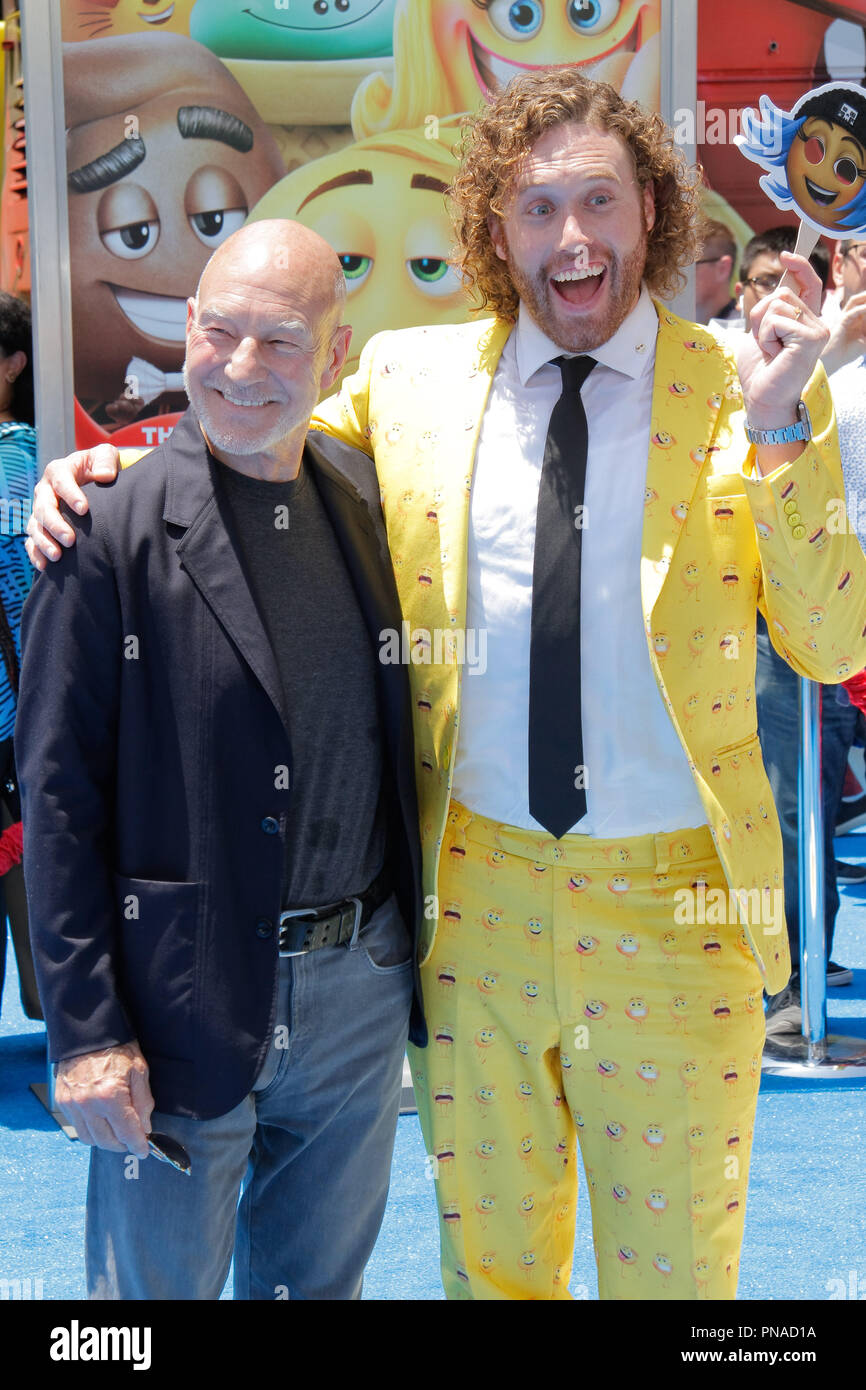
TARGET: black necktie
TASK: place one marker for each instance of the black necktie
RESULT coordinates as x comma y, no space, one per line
555,735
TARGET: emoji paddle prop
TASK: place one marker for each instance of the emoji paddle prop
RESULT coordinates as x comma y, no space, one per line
814,157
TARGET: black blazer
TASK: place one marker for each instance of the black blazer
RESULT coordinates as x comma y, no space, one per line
150,738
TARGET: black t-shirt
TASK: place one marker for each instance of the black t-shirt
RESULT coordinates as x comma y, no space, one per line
335,835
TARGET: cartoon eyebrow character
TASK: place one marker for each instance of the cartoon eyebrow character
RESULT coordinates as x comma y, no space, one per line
380,203
193,122
814,155
146,211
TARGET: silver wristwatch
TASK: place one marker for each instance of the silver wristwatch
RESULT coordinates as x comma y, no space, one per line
787,434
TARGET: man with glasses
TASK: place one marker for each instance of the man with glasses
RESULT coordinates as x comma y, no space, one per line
760,273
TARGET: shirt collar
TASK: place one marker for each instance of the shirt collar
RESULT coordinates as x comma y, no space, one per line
631,350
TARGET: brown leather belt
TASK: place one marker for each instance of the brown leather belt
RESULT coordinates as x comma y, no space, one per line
304,929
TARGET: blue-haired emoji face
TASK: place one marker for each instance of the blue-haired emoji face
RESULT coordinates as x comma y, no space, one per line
814,156
826,170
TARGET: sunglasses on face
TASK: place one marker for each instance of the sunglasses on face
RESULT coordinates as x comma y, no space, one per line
763,284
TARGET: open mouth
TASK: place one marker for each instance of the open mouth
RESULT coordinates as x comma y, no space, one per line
162,18
157,315
492,71
580,289
821,195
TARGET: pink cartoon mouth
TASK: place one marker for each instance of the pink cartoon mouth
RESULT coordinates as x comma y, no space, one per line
492,71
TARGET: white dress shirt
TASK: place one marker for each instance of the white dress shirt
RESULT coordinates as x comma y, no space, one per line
638,779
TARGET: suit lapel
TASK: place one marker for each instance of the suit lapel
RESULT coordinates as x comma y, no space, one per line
688,379
455,462
209,554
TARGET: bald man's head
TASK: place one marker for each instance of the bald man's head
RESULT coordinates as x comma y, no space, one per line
265,337
274,254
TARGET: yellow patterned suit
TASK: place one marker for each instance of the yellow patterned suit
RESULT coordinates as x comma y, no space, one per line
715,548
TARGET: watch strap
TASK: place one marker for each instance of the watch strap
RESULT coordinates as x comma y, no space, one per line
786,434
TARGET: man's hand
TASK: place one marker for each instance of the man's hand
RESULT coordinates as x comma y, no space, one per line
847,336
776,359
106,1096
60,481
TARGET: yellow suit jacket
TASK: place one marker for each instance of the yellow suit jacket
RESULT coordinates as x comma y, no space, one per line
716,546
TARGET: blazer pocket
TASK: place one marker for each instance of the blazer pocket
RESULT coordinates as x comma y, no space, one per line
742,745
724,485
157,931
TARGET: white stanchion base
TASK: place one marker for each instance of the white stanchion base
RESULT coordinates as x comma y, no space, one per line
408,1105
843,1059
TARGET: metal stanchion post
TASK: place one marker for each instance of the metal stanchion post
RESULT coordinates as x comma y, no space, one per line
810,865
813,1053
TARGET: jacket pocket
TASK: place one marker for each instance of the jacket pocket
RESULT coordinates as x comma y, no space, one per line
742,744
157,931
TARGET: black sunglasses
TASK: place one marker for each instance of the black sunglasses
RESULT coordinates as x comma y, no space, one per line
168,1150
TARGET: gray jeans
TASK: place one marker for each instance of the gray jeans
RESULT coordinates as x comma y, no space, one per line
311,1144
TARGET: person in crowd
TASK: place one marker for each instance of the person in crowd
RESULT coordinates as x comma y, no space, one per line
776,687
713,270
18,474
845,359
570,480
221,838
761,271
777,690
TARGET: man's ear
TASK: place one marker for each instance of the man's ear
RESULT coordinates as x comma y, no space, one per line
836,267
497,236
337,354
649,206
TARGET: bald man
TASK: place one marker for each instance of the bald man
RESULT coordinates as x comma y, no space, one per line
218,786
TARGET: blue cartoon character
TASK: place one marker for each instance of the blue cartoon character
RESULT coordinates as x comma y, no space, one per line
295,29
814,155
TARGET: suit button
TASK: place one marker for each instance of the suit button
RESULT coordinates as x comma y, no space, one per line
798,533
794,519
270,826
264,928
790,506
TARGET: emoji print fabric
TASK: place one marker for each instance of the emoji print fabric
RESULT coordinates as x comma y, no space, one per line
565,1003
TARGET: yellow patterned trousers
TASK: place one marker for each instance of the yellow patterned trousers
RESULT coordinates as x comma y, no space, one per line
567,998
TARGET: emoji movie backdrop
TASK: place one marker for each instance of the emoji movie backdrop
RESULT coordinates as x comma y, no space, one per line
185,117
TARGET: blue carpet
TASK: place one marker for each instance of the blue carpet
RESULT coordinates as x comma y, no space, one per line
806,1221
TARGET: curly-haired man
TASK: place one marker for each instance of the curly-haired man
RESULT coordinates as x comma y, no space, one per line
570,480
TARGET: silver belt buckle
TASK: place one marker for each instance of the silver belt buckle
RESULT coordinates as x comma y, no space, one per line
305,911
284,917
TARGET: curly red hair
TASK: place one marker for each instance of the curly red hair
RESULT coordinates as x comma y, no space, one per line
498,137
